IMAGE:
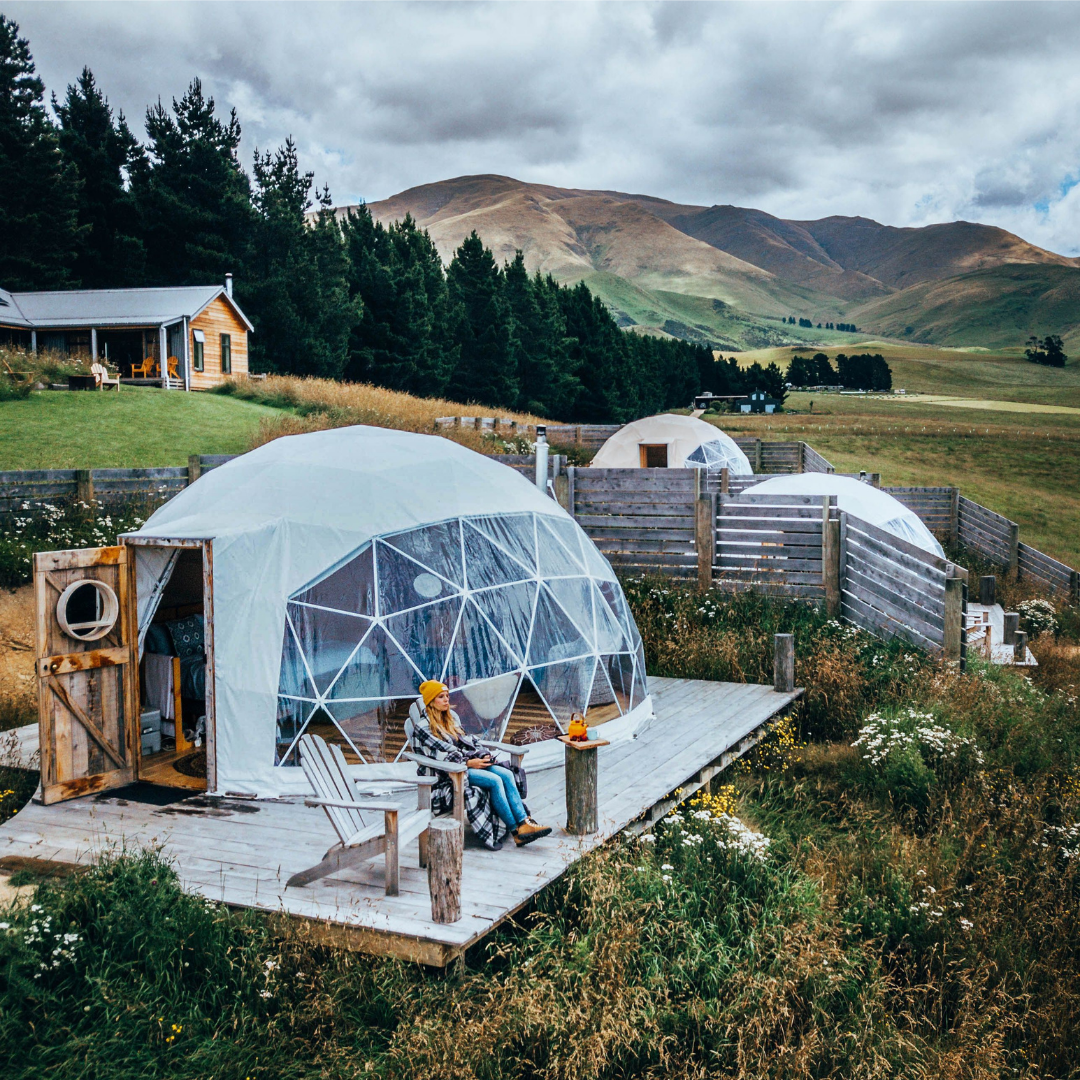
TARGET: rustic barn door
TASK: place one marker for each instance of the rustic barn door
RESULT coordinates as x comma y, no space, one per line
87,666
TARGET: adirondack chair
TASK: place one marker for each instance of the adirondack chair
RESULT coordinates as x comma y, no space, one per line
101,373
173,367
360,835
147,369
455,772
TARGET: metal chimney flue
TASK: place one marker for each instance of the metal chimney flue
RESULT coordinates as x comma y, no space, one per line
228,284
541,457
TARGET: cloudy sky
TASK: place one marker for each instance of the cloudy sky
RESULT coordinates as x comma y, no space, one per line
907,113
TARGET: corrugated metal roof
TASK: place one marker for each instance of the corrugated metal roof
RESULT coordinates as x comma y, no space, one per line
10,315
111,307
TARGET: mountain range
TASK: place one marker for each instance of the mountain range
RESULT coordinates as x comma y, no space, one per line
734,277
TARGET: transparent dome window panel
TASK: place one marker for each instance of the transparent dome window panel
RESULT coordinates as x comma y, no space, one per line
596,564
641,689
554,636
477,651
568,534
565,687
424,634
293,679
620,673
616,603
510,610
376,670
292,716
488,564
327,638
601,693
610,633
349,588
371,730
438,547
484,707
514,533
404,583
574,596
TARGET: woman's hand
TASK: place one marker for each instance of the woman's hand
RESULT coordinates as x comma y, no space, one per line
479,763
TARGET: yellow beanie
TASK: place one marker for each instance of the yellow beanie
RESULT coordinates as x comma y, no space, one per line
430,690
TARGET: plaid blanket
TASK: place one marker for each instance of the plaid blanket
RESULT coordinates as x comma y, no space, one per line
484,822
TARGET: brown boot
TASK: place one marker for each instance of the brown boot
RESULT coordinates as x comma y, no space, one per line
528,831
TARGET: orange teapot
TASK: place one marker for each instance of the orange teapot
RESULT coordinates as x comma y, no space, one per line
577,729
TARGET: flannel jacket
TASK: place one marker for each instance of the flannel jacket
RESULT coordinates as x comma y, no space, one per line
484,822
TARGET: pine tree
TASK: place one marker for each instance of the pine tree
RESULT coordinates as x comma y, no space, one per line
38,213
194,197
485,371
102,152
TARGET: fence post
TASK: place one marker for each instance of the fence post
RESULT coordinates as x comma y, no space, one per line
954,518
954,613
84,486
705,538
577,436
194,468
1012,625
987,590
1020,647
561,485
784,663
830,557
757,455
571,474
1074,586
725,481
1014,549
802,456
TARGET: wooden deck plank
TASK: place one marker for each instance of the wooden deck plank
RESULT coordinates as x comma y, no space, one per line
241,853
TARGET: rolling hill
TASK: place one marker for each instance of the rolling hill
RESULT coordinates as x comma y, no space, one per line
731,276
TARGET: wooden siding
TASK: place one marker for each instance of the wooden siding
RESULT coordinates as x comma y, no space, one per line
216,320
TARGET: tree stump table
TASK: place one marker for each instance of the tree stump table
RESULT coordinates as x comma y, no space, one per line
581,772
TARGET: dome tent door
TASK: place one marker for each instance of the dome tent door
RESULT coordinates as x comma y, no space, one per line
87,669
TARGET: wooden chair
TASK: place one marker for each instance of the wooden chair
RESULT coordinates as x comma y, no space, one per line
454,771
358,839
101,374
146,370
173,367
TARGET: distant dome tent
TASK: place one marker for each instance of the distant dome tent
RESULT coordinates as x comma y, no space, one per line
860,500
350,565
672,442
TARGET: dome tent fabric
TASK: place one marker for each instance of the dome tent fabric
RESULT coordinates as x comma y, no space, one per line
350,565
859,499
691,443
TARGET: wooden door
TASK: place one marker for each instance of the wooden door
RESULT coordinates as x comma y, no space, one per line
87,667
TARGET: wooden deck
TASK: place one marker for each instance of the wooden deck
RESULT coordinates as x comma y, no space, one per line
241,852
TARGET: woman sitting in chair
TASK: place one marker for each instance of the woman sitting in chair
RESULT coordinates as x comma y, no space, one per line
492,799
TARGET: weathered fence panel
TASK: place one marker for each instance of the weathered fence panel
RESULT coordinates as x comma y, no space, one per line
641,519
1033,565
988,533
890,587
935,505
771,544
812,461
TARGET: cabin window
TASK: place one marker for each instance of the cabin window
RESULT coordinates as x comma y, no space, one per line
198,341
226,354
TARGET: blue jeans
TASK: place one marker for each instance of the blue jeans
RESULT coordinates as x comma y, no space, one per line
499,783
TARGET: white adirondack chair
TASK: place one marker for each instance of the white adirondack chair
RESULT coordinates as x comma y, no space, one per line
365,827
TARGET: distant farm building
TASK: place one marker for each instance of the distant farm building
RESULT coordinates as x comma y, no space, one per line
757,402
199,330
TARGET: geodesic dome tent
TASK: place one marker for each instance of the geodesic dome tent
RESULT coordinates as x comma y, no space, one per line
860,500
686,443
350,565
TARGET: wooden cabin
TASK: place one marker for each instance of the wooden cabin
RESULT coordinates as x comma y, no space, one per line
199,330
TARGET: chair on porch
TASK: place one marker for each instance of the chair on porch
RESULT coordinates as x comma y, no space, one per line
455,772
146,370
360,835
101,374
173,367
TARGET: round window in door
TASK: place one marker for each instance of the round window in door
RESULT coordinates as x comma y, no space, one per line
87,609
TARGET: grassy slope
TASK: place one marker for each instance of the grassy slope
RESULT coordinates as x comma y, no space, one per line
1026,467
135,428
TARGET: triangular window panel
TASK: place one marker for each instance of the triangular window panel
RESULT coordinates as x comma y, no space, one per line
349,588
377,670
293,678
487,564
370,728
616,603
438,547
620,671
513,533
510,610
477,652
595,562
554,636
292,716
327,638
565,686
484,706
601,693
641,684
610,635
570,534
424,635
404,583
555,559
574,596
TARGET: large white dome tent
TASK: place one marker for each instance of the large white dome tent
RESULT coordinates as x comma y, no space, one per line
860,500
673,442
350,565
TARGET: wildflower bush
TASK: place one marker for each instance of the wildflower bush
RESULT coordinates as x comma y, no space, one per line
1038,617
57,526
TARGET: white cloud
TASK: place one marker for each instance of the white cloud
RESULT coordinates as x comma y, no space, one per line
906,113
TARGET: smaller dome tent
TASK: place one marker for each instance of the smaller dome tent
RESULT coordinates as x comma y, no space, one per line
860,500
682,442
350,565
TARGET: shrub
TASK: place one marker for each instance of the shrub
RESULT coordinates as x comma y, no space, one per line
1038,617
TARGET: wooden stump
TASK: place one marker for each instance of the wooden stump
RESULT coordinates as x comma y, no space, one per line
1020,647
1012,624
581,785
446,842
784,663
987,590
